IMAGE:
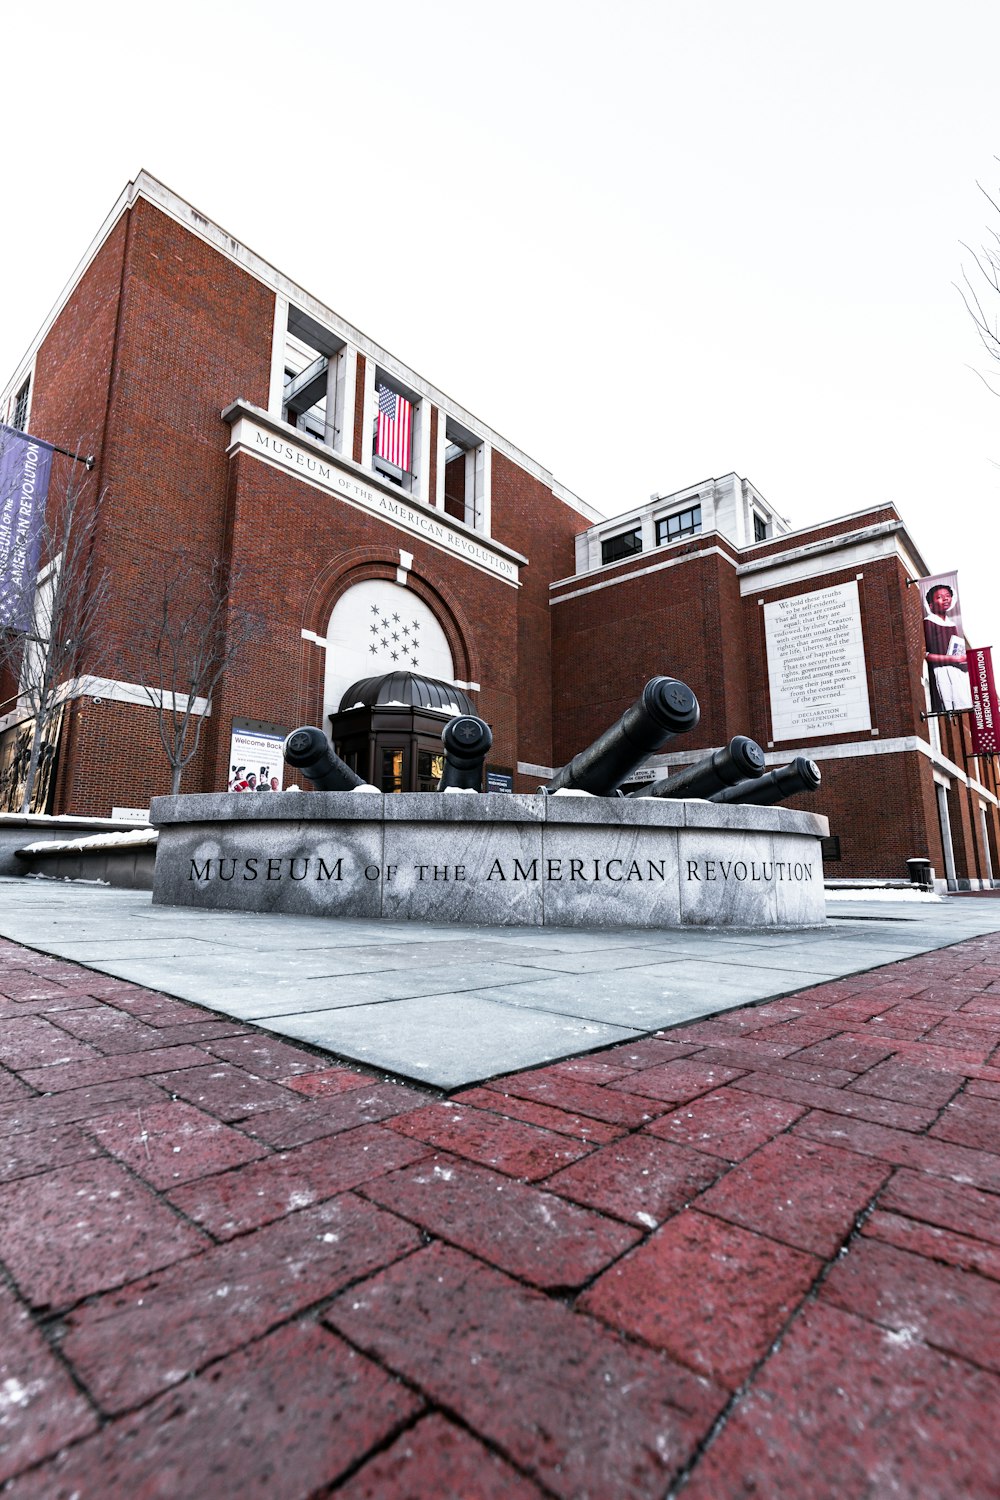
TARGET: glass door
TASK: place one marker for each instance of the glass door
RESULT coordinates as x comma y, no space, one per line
392,766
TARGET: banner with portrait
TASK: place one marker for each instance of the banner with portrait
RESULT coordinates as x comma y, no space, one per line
945,650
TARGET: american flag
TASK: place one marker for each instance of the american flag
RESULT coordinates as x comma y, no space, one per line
395,422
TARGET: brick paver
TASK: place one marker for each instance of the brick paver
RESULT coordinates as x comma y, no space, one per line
84,1228
756,1254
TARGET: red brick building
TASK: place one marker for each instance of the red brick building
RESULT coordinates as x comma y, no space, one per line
232,417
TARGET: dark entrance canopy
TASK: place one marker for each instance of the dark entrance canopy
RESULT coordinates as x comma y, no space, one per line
406,689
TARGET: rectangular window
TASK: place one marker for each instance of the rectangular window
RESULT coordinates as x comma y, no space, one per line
681,523
393,431
759,528
392,771
430,769
20,416
318,384
310,419
397,434
624,544
466,475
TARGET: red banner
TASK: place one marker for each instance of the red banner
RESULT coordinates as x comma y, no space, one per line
985,713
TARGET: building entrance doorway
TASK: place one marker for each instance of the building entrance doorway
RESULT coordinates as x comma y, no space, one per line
388,729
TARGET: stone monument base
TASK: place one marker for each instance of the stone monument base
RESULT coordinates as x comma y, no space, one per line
495,860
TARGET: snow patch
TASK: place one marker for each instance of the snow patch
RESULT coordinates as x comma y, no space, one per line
13,1393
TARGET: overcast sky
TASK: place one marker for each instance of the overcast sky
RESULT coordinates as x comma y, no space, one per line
649,243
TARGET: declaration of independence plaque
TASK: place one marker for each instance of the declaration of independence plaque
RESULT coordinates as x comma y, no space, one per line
816,664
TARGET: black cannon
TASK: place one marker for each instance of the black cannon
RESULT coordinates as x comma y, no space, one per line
308,750
467,741
741,760
665,708
802,775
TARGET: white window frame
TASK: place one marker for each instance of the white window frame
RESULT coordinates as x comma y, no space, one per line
416,482
478,466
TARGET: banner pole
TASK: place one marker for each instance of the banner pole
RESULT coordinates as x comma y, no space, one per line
88,462
973,820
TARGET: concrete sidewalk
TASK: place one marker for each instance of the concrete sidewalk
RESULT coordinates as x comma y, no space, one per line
453,1005
757,1254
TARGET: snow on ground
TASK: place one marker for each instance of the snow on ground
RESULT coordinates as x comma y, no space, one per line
131,838
880,893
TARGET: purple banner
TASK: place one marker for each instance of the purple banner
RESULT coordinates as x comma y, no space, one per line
985,711
24,484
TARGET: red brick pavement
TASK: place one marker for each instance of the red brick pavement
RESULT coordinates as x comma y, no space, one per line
755,1255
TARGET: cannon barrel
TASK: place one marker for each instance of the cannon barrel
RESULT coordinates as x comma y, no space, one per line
308,750
741,760
467,741
664,709
803,775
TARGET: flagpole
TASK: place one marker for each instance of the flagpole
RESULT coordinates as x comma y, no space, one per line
87,462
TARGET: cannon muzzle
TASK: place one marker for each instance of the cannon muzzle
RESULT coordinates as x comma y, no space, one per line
308,750
741,760
467,741
803,775
665,708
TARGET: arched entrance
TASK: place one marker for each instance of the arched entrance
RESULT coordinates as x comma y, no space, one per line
377,627
388,729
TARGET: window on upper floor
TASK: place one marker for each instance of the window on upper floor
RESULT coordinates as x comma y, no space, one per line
315,368
466,463
622,544
394,435
19,416
682,523
760,528
313,418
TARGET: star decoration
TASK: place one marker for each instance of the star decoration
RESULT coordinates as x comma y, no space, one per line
395,619
374,609
395,656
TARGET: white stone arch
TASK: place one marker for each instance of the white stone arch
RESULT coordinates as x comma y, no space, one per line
408,638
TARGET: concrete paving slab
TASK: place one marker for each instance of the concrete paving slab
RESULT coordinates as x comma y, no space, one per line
648,1001
271,990
448,1040
454,1005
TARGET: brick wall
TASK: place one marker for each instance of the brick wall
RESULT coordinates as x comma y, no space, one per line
681,622
159,335
689,621
293,570
529,518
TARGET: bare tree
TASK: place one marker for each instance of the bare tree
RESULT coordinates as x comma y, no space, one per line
193,636
64,608
980,288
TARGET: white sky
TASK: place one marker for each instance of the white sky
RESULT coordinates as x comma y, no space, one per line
649,244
